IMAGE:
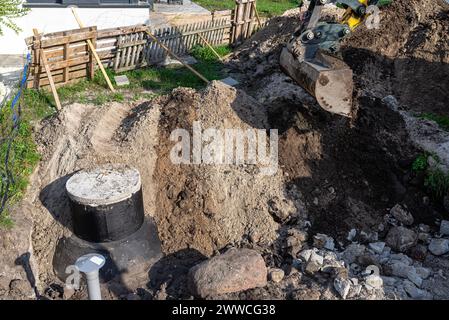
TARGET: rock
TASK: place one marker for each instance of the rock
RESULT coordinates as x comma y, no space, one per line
439,247
401,239
314,263
276,275
234,271
323,241
374,281
21,288
402,215
444,228
352,252
132,296
295,240
424,228
342,286
305,254
366,260
355,291
418,252
391,102
377,247
351,234
415,292
424,237
413,276
68,293
369,237
402,258
389,281
398,269
424,273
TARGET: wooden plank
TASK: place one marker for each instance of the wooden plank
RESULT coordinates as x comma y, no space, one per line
66,57
50,78
37,57
179,59
114,32
91,65
58,72
71,38
58,79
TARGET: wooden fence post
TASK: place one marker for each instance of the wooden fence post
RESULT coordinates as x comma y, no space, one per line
37,59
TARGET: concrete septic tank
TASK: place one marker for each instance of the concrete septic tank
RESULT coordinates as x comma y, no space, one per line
108,218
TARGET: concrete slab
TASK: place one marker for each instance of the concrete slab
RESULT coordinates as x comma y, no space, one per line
170,62
230,81
121,80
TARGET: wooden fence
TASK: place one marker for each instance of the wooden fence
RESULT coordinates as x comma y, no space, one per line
125,48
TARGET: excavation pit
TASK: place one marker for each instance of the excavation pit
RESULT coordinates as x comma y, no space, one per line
108,218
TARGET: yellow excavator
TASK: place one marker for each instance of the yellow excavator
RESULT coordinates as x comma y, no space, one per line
311,56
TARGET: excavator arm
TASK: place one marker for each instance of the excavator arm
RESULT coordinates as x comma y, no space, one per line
310,57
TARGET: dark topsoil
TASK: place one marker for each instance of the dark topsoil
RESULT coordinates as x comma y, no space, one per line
359,170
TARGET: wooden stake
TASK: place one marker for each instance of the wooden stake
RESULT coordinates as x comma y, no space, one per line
43,58
94,52
257,15
176,57
210,46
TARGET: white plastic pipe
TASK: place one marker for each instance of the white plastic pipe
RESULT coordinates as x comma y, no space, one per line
90,265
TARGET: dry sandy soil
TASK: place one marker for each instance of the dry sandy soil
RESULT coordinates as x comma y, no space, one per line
334,175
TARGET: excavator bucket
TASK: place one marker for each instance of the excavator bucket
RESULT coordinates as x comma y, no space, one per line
325,77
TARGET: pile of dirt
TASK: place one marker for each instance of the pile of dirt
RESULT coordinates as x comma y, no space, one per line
408,56
208,206
336,164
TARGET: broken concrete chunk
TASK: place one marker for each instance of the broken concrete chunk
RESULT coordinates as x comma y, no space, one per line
401,239
415,292
444,228
323,241
402,215
342,286
413,276
377,247
351,234
234,271
352,252
439,247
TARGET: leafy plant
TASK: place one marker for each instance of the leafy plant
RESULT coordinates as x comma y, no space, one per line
9,10
437,182
441,120
420,163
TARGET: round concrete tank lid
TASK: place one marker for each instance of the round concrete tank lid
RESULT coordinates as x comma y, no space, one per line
104,185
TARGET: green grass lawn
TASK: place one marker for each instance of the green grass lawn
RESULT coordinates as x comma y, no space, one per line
38,104
265,7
